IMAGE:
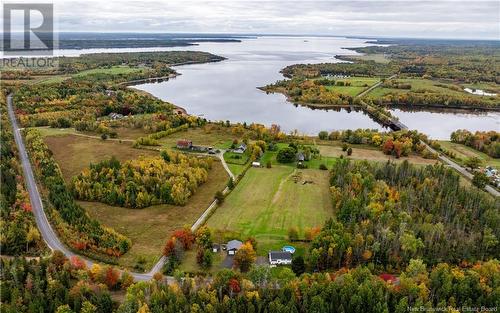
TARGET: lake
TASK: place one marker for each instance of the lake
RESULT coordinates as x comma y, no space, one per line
227,90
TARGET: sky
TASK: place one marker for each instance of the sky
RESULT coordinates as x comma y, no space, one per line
425,19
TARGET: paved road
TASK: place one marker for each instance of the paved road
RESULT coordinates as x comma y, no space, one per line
441,157
48,234
461,170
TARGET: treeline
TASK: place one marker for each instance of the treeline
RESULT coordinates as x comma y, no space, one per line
20,235
72,223
152,139
399,143
58,284
360,68
463,61
487,142
387,214
66,286
426,98
45,105
171,178
446,287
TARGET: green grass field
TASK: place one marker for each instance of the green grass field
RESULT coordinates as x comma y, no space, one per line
463,152
267,202
114,70
419,84
377,57
211,135
358,85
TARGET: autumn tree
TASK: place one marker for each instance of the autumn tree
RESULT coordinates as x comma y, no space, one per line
245,257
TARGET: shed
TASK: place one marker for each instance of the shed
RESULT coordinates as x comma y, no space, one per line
184,144
300,157
241,148
233,246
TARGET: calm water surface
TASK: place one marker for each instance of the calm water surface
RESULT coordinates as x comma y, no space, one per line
227,90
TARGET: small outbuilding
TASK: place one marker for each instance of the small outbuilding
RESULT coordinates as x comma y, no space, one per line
301,157
184,144
255,164
233,246
280,258
115,116
241,148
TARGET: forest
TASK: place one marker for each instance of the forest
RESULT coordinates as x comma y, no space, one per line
70,220
20,235
398,144
487,142
430,64
42,105
468,61
151,64
171,178
62,285
388,214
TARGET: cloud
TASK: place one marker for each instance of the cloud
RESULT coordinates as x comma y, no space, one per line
444,19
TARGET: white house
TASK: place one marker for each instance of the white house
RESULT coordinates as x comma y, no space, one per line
280,258
241,149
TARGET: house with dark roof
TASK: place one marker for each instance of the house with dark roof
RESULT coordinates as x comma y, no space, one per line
280,258
184,144
233,246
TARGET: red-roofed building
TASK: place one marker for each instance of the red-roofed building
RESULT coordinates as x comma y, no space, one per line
389,278
184,144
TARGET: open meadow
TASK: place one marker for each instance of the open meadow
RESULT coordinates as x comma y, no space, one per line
267,202
357,85
148,228
74,153
463,152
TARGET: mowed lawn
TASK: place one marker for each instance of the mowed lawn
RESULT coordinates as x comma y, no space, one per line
267,202
358,85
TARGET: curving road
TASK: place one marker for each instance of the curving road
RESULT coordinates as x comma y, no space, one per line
49,235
